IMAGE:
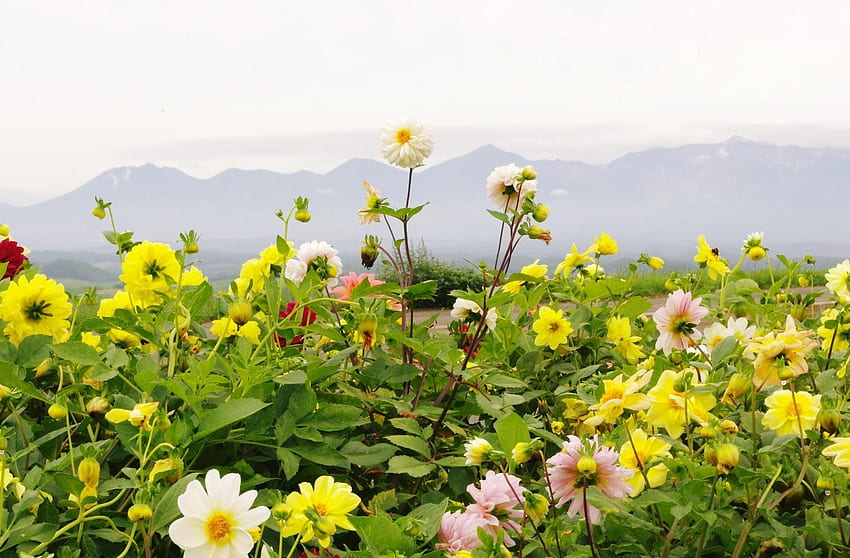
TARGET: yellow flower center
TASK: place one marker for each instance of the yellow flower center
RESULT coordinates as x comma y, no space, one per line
402,136
218,528
554,326
321,508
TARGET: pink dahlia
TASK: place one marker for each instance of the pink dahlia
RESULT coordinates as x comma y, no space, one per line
500,500
677,321
351,281
582,464
459,531
12,254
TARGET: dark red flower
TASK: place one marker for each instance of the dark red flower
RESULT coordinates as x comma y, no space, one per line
307,318
12,254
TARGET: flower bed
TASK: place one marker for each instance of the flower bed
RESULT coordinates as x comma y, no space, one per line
315,416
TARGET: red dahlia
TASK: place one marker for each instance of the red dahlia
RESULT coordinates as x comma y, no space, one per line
12,254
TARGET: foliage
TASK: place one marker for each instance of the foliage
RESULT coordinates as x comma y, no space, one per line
559,415
448,276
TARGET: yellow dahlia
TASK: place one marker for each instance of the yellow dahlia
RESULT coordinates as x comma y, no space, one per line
645,450
148,272
839,451
37,306
620,333
317,510
618,396
535,269
773,351
710,257
551,327
672,408
787,411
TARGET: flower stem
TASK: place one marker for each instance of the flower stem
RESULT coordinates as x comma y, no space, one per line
589,524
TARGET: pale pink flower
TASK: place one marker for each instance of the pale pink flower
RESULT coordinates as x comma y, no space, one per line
567,484
500,500
459,531
677,321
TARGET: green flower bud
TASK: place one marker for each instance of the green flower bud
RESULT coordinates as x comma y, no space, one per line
541,212
302,216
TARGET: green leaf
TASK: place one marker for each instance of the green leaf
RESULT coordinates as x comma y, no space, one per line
723,350
367,456
68,483
227,414
10,379
288,461
332,417
77,352
511,430
421,291
503,217
321,454
634,307
502,380
382,536
606,287
413,443
166,511
428,517
33,350
406,465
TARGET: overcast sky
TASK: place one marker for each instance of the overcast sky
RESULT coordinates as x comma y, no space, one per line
205,85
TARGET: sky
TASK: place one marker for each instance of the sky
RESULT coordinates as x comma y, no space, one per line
207,85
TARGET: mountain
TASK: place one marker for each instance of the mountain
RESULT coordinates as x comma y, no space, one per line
656,200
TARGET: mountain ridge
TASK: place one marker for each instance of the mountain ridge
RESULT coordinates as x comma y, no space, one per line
723,190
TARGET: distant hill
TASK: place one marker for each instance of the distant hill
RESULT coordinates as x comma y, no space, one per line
656,200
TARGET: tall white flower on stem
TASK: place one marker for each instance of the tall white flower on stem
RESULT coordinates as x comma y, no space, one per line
506,184
407,142
216,521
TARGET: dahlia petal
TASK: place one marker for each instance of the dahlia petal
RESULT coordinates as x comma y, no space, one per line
194,502
188,532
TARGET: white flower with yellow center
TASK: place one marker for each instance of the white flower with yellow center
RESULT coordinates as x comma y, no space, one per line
406,143
216,521
319,256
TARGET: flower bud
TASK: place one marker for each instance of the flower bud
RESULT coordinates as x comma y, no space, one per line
57,411
97,406
302,216
828,420
540,213
521,452
728,456
539,233
738,386
803,281
757,253
281,512
4,230
785,373
529,173
478,450
4,392
191,248
728,427
240,311
586,466
99,212
655,263
368,256
708,432
670,285
710,454
87,493
4,443
45,367
826,483
536,506
139,512
88,471
325,526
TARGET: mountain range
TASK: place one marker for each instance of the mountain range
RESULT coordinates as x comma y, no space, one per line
655,201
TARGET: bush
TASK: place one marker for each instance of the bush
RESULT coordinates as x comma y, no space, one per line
448,276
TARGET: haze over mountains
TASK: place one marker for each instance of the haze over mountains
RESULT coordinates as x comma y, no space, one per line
656,201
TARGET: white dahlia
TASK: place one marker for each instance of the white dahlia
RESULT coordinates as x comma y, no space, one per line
407,142
505,186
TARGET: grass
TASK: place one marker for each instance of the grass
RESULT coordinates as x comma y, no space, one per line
653,284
